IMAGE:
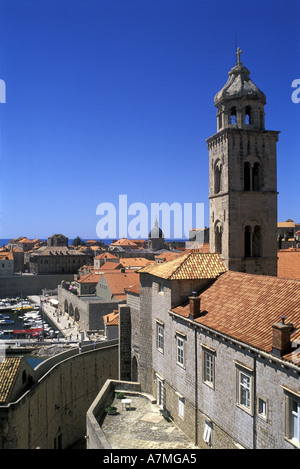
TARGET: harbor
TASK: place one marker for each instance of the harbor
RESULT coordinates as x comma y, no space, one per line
29,324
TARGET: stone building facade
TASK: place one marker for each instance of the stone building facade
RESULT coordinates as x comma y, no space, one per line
55,260
86,310
221,362
214,336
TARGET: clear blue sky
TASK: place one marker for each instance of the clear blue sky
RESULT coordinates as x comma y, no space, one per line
109,97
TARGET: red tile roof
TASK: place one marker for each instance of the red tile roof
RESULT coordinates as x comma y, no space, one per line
130,262
111,319
245,306
119,281
6,256
288,265
191,265
106,255
91,277
109,266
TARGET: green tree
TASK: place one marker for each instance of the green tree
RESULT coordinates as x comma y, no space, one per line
78,241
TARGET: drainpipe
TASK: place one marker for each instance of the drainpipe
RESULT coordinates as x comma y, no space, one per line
196,388
254,404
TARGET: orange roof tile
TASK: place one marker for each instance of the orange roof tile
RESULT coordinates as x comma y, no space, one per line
134,289
119,281
9,368
110,266
106,255
111,319
245,306
6,256
135,261
168,256
191,265
288,265
124,242
90,277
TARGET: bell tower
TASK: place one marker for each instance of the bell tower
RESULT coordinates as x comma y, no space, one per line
243,178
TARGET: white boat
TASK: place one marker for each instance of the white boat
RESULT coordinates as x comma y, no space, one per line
31,316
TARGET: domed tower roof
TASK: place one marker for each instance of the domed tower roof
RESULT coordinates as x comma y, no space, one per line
239,85
156,232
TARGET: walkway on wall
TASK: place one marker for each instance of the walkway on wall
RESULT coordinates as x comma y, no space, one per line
61,321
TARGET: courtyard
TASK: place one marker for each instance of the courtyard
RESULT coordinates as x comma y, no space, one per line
141,425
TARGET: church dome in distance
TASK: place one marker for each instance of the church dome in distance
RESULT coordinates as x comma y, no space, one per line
156,232
239,85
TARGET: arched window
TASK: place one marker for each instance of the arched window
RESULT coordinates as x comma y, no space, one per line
248,116
247,235
218,238
233,115
256,241
134,369
252,176
220,121
256,177
253,240
262,124
247,177
217,177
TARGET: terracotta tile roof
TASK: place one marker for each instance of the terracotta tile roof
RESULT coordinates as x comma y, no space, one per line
245,306
168,256
135,261
110,266
90,277
57,251
124,242
191,265
286,224
6,256
288,265
203,247
134,289
26,240
119,281
8,372
106,255
111,319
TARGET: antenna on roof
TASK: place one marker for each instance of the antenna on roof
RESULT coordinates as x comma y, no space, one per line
235,49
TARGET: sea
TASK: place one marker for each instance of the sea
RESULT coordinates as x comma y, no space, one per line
5,241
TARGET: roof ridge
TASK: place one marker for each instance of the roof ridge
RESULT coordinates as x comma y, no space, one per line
187,255
263,277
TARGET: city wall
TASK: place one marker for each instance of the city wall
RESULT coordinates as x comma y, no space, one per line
24,285
52,413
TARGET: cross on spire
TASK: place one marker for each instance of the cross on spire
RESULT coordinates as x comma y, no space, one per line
238,54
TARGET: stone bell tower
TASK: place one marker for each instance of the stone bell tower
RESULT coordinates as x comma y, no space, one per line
243,178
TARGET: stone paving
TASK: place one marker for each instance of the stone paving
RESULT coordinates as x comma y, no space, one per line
142,427
62,322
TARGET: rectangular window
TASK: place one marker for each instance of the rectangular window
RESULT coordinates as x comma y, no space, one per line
180,350
207,432
181,406
208,367
160,337
262,408
294,419
244,389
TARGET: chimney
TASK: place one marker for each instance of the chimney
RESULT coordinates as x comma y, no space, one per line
281,344
194,303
